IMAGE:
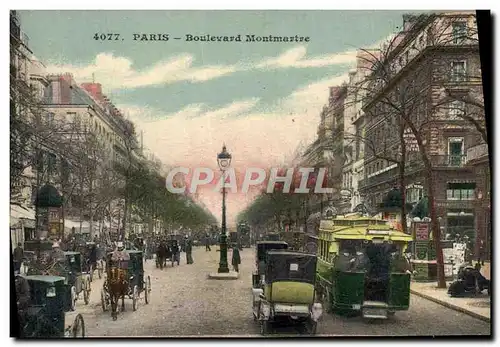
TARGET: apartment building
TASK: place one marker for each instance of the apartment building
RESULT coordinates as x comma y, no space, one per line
86,117
434,59
354,133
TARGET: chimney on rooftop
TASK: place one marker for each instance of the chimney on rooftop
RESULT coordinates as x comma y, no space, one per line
94,89
65,85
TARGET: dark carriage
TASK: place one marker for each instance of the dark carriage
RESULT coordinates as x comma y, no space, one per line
288,290
69,267
76,278
91,260
260,258
44,316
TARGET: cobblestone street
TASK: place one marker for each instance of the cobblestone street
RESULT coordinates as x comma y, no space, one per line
185,303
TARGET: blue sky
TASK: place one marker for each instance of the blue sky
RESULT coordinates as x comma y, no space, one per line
262,99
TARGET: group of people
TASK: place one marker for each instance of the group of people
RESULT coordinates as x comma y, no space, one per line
171,249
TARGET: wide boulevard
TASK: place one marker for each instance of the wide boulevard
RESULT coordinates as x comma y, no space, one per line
185,303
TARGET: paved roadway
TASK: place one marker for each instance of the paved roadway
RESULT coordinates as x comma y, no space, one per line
185,303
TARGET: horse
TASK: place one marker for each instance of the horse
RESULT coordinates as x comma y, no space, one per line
161,255
118,287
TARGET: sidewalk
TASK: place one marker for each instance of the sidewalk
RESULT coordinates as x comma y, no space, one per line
478,307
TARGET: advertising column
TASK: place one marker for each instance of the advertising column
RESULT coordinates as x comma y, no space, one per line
422,251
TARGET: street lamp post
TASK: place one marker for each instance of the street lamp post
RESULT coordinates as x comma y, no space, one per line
224,161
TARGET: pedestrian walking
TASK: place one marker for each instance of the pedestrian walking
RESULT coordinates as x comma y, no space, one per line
189,250
236,259
18,257
207,243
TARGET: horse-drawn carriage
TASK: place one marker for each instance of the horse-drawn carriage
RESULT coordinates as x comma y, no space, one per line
44,316
168,251
91,260
67,265
76,278
125,278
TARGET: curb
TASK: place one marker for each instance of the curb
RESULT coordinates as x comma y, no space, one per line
451,306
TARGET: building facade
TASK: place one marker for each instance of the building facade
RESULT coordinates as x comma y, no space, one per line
432,60
354,133
93,135
23,111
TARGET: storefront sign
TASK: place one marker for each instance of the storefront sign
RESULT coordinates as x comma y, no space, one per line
410,141
54,214
421,231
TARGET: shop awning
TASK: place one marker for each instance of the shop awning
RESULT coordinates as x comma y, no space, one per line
17,213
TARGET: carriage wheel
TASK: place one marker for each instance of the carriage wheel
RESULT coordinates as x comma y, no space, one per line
104,302
135,295
73,298
147,290
78,327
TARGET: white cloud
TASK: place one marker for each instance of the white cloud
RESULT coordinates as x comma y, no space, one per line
118,73
194,135
294,58
115,72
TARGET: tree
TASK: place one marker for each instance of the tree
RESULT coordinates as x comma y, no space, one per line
406,88
125,166
33,144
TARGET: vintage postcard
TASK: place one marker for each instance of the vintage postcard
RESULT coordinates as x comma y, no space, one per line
250,173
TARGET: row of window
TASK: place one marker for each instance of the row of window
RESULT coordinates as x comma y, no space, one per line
347,180
100,129
458,191
459,35
377,166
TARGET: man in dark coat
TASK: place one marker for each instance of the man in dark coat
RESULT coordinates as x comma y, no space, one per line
189,250
207,243
236,259
18,257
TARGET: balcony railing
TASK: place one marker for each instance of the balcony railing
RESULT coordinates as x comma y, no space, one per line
377,179
460,80
438,161
477,152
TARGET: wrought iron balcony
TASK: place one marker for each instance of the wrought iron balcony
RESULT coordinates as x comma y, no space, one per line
377,179
477,152
448,161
